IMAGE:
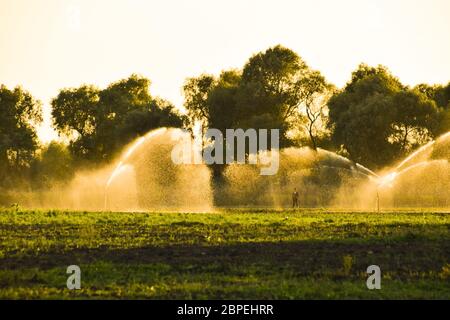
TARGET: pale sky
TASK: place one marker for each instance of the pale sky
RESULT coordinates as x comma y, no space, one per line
46,45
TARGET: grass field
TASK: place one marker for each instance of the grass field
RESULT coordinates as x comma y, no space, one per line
253,254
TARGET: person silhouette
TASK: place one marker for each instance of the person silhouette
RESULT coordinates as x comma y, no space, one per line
295,198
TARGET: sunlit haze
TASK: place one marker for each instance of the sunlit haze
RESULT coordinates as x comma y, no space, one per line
50,44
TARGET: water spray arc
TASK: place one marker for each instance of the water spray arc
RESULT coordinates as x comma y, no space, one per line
352,184
408,164
146,177
126,156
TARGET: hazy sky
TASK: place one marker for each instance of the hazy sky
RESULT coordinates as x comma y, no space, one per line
46,45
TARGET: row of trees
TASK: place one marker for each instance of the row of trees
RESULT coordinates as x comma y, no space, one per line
268,92
96,124
19,115
376,119
373,120
99,122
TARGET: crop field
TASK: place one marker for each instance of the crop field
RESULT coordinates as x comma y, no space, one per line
227,254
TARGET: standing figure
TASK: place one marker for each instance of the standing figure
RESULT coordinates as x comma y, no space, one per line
295,198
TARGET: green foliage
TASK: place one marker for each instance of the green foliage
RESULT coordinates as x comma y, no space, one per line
20,113
439,93
266,94
54,165
313,117
196,91
373,120
100,122
274,90
230,254
441,96
376,119
271,89
415,120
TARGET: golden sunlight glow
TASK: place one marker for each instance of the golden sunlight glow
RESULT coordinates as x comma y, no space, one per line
50,44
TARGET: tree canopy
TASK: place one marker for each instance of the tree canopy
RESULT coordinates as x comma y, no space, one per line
20,114
267,93
441,96
99,122
375,118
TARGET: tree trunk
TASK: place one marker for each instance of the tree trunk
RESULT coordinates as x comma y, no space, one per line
313,139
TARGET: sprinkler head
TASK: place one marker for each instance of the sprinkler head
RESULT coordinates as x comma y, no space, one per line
387,180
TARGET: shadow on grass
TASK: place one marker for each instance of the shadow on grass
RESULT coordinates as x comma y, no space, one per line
303,257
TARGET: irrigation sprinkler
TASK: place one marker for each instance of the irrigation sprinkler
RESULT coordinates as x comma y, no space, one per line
378,201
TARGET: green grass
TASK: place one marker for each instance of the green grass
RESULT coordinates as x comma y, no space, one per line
229,254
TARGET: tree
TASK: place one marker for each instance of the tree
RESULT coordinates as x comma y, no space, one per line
268,93
75,113
441,96
100,122
20,114
54,165
316,93
271,90
223,110
376,119
196,92
415,119
212,103
439,93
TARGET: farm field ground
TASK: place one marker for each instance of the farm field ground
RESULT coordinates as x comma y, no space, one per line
227,254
